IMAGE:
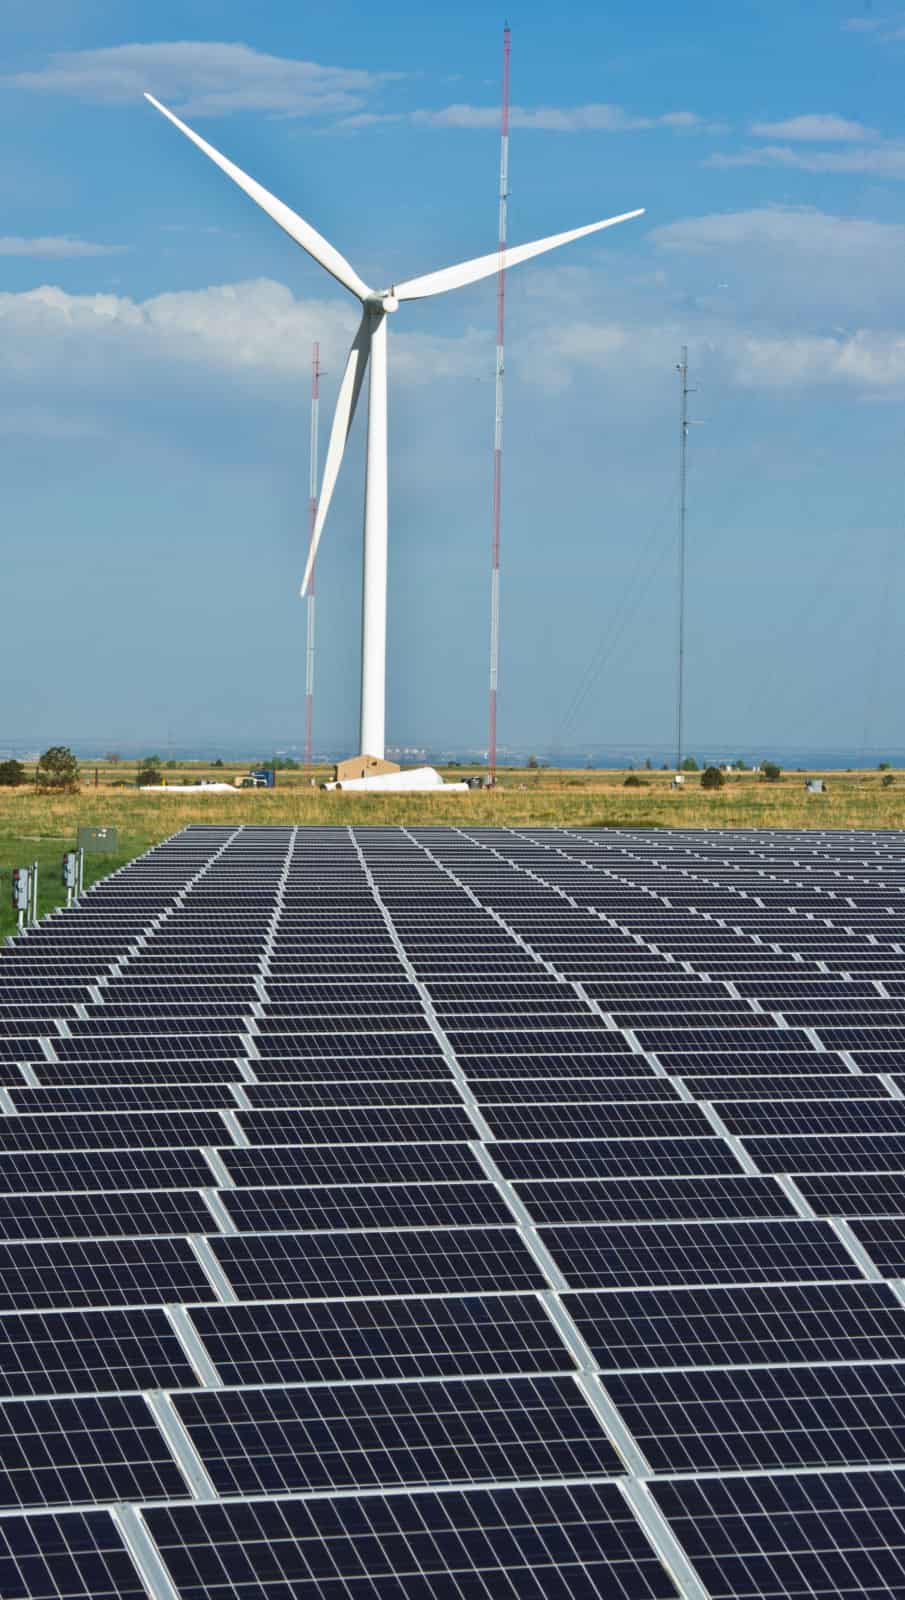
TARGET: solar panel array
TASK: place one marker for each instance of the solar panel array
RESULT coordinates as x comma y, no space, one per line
452,1213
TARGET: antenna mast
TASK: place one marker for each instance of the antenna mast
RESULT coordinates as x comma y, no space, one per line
312,515
682,369
498,415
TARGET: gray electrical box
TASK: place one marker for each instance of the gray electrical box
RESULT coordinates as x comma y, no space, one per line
99,841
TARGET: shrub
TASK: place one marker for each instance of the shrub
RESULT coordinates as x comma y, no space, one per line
12,773
148,775
58,771
712,778
631,782
887,780
689,764
771,772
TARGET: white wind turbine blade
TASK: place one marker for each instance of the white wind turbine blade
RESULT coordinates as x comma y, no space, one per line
291,223
484,266
347,399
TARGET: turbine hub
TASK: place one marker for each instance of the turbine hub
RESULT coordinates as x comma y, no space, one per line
382,300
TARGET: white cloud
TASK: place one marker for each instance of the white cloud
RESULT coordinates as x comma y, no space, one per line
57,247
259,333
882,27
203,78
816,127
789,266
787,228
593,118
258,328
879,160
870,362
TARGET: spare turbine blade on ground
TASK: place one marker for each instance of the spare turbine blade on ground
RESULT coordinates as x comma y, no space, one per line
484,266
346,401
289,220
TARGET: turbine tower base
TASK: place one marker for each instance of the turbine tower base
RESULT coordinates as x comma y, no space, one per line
362,767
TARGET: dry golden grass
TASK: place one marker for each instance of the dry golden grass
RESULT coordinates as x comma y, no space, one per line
41,827
855,800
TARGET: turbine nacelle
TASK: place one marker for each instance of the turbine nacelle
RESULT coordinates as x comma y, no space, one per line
380,301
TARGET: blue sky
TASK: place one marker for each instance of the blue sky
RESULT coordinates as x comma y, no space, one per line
155,344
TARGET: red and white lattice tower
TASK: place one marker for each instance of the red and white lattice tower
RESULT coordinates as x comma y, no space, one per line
312,515
498,415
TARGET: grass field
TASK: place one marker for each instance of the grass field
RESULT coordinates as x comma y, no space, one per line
40,828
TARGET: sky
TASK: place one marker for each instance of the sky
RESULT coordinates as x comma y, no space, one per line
155,349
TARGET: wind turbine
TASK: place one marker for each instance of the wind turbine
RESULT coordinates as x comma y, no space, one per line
370,344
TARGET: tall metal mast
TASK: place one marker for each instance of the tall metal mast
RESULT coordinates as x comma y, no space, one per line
498,415
682,369
312,516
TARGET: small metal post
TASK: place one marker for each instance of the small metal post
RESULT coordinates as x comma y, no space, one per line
81,888
34,893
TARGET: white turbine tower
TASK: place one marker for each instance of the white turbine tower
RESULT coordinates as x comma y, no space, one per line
370,344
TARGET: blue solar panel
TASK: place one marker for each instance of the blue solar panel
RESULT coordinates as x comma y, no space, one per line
267,1231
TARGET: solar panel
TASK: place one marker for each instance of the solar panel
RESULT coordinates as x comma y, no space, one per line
711,1252
111,1272
402,1261
341,1163
556,1541
79,1556
81,1352
334,1340
773,1417
791,1323
353,1436
651,1199
67,1452
290,1245
385,1205
835,1534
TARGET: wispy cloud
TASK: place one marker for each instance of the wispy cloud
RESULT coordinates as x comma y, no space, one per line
594,118
257,328
884,28
203,78
870,362
878,160
820,127
57,248
785,228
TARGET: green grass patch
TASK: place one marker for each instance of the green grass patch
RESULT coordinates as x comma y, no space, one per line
24,849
